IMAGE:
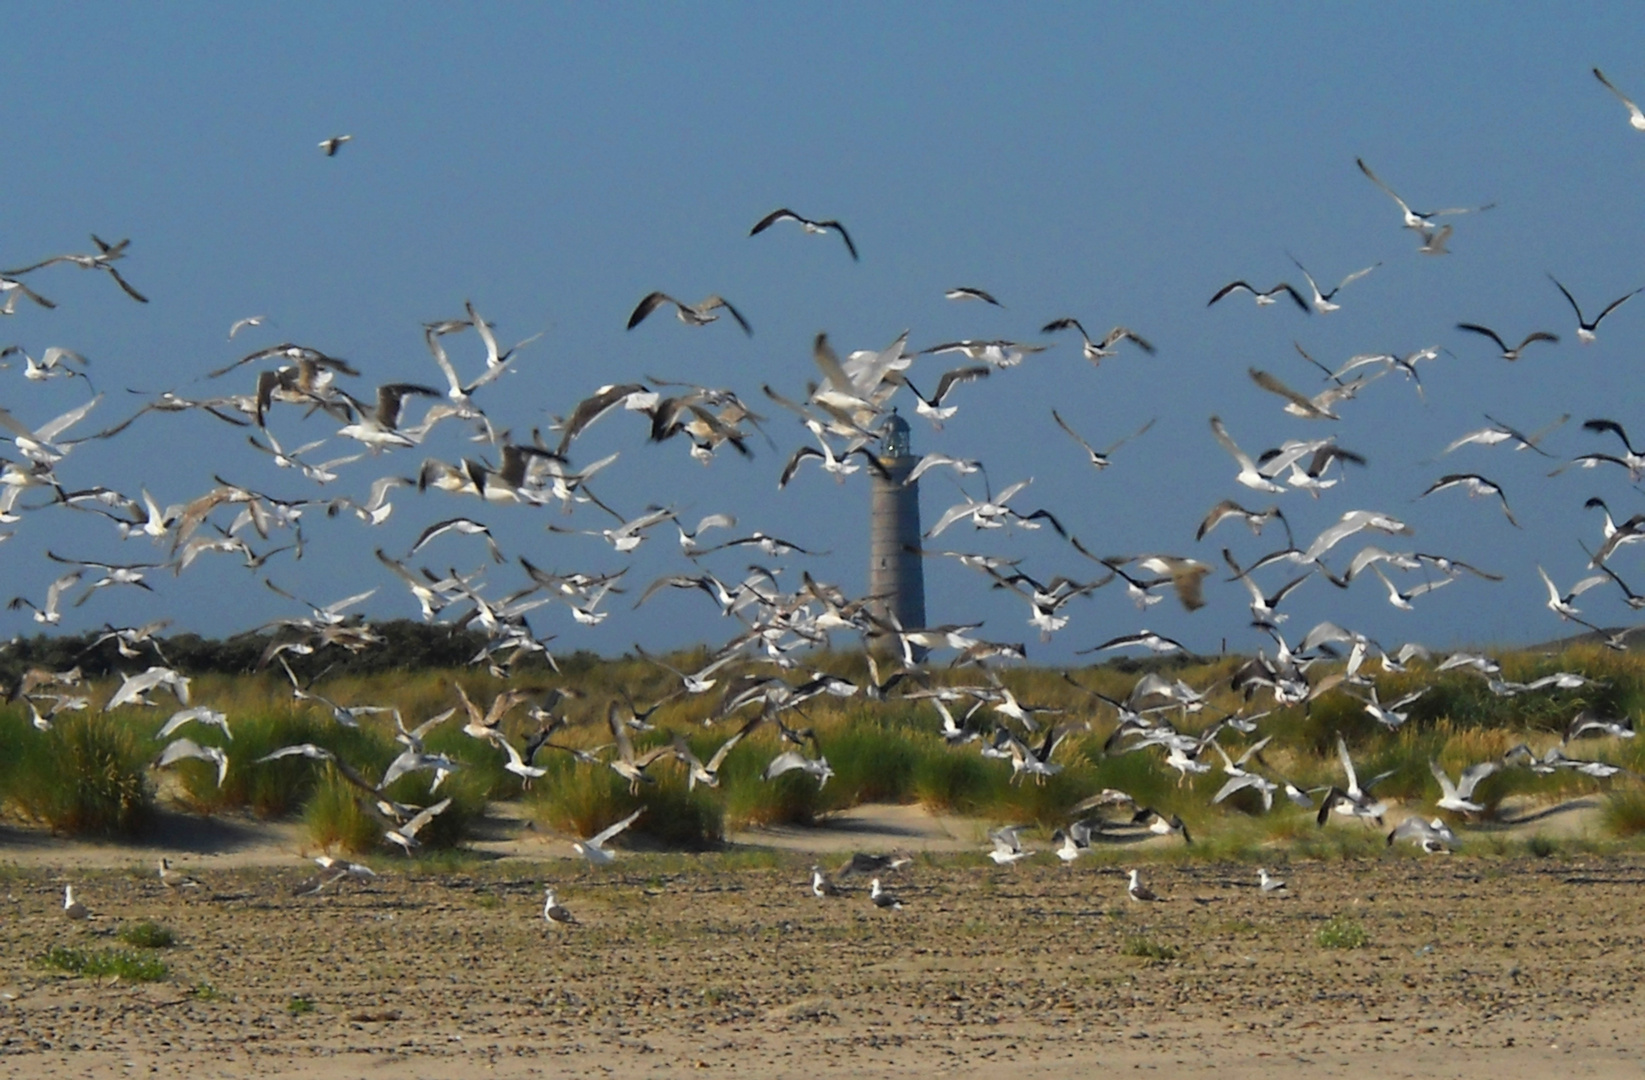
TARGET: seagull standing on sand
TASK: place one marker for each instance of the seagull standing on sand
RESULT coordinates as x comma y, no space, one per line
1270,885
171,879
553,912
73,908
881,898
1138,891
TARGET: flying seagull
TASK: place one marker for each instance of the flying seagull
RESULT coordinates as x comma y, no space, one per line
806,224
1585,330
593,849
1535,335
1095,350
1263,297
699,314
1324,301
966,292
1416,219
1635,117
335,143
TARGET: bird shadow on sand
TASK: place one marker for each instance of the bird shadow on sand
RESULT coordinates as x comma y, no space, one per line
1542,813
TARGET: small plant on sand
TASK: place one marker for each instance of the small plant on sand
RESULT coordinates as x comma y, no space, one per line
1541,846
1341,932
1148,949
147,935
299,1005
95,963
204,991
335,817
1624,812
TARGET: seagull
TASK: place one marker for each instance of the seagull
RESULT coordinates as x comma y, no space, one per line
1254,519
1270,885
821,886
1583,724
1421,222
1513,353
330,146
1138,891
1476,486
1562,605
1351,522
806,224
966,292
709,775
171,879
1434,241
466,526
179,749
1355,801
11,289
1459,796
1635,117
789,760
199,714
593,849
73,908
1095,351
1317,407
1263,298
1007,847
863,862
241,324
1146,638
700,314
932,408
1323,301
1249,474
1099,458
881,898
627,764
553,912
1585,330
406,835
1435,837
1499,432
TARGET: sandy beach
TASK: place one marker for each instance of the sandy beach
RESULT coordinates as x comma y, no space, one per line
727,964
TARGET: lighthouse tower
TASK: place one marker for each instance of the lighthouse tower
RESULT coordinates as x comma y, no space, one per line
896,575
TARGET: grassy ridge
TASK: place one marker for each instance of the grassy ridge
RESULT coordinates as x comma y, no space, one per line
91,772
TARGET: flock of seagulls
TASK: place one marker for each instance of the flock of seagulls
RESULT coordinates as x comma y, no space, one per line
762,676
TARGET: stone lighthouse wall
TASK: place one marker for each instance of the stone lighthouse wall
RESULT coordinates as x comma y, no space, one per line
896,574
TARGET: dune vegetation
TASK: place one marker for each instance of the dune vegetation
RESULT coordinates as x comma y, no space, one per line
87,772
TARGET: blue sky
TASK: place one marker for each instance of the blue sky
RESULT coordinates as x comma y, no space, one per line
554,164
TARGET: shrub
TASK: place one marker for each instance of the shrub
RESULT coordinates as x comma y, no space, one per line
1148,949
147,935
1341,932
335,818
84,776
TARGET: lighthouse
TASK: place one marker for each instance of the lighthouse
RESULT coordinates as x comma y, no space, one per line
896,575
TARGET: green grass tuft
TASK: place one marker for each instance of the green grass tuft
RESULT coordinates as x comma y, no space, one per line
96,963
1148,949
1341,932
147,935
